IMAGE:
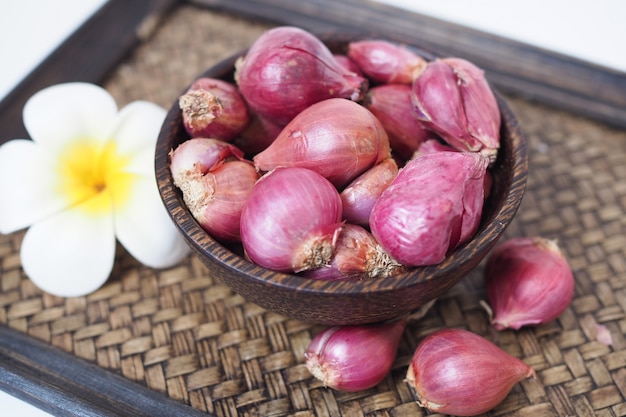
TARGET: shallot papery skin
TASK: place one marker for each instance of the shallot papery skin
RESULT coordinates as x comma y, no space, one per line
195,157
217,198
359,196
433,205
287,69
354,358
337,138
434,145
257,136
457,372
291,220
392,105
213,108
453,98
528,281
357,256
386,62
348,64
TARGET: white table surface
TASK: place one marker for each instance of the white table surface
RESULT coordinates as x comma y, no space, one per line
589,30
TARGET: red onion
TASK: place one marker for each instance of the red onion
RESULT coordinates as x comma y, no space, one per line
291,220
337,138
454,371
213,108
348,64
259,134
217,198
195,157
434,145
386,62
359,196
433,205
392,105
354,358
357,256
287,69
452,97
528,281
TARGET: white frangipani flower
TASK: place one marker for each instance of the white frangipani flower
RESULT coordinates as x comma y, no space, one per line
86,178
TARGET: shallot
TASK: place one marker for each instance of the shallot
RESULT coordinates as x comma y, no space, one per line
433,205
432,145
213,108
528,281
435,145
453,98
217,198
348,64
291,220
258,135
386,62
359,196
392,105
357,255
215,181
354,358
337,138
195,157
287,69
454,371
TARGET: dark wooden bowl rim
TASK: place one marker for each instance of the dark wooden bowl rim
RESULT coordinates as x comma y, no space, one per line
509,183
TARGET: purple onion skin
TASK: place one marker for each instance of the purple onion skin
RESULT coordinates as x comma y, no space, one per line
357,256
359,196
434,204
224,191
257,136
213,108
336,138
457,372
195,157
392,105
529,282
287,69
434,145
386,62
354,358
452,97
348,64
291,220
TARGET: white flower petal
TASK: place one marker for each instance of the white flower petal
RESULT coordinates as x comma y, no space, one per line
136,133
144,228
27,185
70,254
142,163
66,112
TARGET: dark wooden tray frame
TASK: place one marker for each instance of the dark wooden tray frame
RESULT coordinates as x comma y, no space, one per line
64,385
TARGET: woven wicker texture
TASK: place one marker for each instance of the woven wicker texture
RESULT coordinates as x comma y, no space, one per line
181,332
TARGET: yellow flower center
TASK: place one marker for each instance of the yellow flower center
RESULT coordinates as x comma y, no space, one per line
94,176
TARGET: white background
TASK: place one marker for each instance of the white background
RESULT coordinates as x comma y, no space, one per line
591,30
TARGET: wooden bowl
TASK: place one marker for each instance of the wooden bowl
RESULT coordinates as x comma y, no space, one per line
341,302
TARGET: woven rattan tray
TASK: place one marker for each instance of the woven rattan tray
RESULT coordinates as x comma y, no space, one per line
178,342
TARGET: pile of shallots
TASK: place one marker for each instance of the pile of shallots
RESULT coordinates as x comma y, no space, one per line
339,166
360,166
454,371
